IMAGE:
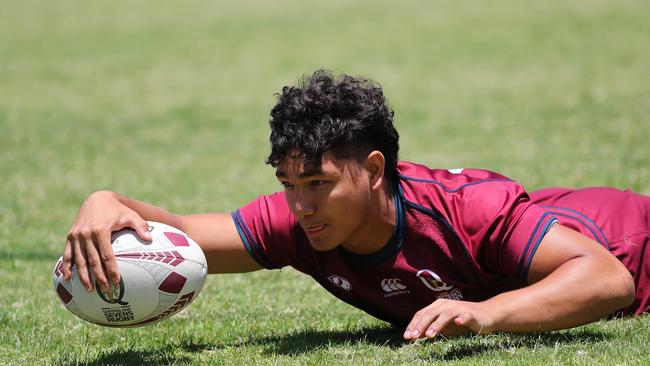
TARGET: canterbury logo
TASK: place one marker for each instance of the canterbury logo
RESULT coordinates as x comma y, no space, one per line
340,282
392,284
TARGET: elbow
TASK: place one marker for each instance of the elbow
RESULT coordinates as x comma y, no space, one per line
179,222
625,290
630,289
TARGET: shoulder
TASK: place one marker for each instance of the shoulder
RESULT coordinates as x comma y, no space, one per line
470,198
268,230
276,199
417,180
268,210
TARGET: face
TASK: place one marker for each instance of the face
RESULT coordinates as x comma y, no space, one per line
332,202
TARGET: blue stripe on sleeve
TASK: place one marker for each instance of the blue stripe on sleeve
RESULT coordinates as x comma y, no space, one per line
522,259
249,243
600,236
548,225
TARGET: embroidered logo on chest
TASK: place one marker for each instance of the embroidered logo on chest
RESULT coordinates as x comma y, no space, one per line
340,282
435,283
393,287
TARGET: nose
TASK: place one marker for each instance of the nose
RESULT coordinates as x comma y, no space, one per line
302,204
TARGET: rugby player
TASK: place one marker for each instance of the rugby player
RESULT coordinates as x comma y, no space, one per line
433,251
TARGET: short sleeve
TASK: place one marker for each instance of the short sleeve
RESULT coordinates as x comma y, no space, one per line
502,226
267,228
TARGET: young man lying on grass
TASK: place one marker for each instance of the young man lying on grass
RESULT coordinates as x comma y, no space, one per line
434,251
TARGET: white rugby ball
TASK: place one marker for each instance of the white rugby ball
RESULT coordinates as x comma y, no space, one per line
158,279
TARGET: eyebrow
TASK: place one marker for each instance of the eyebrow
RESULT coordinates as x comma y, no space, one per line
304,174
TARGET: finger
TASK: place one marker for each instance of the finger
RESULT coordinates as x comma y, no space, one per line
82,268
67,261
409,333
441,322
95,263
422,319
463,319
141,228
88,270
107,257
420,323
469,321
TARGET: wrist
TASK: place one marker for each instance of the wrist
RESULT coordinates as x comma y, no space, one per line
105,194
497,313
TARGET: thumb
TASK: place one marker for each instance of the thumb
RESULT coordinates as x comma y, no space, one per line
468,321
142,229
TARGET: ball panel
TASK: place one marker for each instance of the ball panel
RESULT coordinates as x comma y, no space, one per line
173,284
178,306
72,307
64,294
125,304
156,270
127,239
57,269
178,240
172,258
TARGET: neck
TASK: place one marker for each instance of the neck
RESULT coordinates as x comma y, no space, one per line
377,230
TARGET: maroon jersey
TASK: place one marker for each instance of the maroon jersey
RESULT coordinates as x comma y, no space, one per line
460,234
618,220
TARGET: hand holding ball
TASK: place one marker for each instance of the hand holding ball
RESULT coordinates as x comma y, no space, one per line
158,279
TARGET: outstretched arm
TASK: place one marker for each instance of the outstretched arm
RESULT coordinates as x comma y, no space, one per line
574,281
89,247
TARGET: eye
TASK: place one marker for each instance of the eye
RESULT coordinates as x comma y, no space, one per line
316,183
286,184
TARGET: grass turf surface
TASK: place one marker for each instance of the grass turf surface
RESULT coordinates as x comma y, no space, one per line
168,103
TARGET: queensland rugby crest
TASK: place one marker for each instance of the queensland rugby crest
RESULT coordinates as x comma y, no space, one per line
114,293
436,284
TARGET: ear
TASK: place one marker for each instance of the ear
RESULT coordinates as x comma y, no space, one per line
375,164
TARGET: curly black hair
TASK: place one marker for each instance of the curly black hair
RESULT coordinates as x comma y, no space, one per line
345,115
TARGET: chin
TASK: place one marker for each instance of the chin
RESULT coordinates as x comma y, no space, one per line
322,246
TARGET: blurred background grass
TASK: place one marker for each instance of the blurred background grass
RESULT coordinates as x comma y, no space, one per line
168,102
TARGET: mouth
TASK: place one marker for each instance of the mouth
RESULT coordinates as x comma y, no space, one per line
314,229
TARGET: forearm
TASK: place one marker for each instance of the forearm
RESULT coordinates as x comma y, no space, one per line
574,281
147,211
218,237
576,293
104,212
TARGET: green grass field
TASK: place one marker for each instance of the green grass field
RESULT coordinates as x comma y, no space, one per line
169,103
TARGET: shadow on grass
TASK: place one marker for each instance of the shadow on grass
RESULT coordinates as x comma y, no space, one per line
456,348
161,356
307,341
442,349
472,345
